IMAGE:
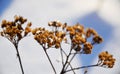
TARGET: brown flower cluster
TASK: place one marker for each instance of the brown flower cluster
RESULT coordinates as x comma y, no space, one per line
77,35
90,32
13,30
96,38
87,48
49,38
106,60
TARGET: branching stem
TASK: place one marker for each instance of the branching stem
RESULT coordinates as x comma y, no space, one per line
68,62
67,58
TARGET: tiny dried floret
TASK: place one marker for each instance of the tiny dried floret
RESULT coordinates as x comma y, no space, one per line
29,24
80,39
78,27
64,26
97,39
77,48
55,24
4,23
87,48
22,20
57,45
27,30
34,31
69,28
90,32
60,34
16,18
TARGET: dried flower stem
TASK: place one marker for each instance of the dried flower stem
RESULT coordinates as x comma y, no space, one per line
18,55
80,68
62,56
49,59
15,43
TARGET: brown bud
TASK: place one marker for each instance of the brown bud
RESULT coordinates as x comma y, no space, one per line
29,24
78,48
97,39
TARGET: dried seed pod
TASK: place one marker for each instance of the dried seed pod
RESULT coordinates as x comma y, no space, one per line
90,32
57,45
87,48
106,59
97,39
78,48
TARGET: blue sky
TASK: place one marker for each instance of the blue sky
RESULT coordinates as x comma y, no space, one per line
105,22
4,4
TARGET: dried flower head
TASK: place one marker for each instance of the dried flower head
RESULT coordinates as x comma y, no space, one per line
97,39
13,30
106,59
48,38
87,48
77,48
90,32
78,27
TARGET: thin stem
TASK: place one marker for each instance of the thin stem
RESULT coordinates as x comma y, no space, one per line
49,59
62,71
71,68
68,62
18,55
62,56
72,58
81,67
15,43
